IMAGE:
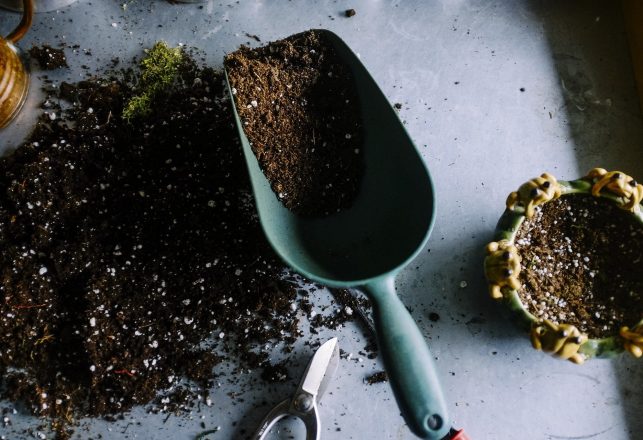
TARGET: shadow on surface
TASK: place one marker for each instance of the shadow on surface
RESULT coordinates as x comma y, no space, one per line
630,376
591,56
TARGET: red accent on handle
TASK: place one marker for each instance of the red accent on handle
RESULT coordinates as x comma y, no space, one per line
460,435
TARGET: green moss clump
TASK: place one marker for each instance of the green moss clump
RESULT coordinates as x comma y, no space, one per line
159,69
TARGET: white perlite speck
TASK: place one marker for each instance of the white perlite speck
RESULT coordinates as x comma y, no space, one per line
92,322
42,271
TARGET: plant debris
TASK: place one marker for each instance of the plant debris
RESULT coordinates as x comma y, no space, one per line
132,253
582,261
253,36
159,70
301,114
48,58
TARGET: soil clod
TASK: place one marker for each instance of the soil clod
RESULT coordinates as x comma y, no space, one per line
48,58
378,377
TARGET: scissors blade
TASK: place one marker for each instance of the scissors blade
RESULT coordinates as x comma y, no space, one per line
321,369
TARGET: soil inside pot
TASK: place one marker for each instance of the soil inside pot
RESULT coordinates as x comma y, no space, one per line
582,264
301,114
132,253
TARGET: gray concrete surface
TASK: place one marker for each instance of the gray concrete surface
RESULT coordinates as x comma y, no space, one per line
457,67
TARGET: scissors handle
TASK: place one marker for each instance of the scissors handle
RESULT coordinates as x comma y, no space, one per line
285,409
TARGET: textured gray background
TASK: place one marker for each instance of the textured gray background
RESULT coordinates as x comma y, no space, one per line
481,138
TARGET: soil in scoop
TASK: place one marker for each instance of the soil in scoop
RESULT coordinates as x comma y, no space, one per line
125,247
582,264
301,115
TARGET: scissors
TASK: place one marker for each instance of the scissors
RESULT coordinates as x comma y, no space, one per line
303,404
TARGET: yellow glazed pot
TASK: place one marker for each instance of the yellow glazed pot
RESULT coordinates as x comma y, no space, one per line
14,79
503,263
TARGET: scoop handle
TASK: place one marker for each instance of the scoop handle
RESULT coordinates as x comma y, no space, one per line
408,362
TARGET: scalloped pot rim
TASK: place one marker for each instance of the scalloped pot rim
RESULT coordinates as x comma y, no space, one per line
507,229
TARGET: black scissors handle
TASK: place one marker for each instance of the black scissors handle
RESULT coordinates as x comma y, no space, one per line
310,417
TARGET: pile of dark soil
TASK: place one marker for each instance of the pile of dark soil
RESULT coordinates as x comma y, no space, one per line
48,58
301,114
582,264
126,246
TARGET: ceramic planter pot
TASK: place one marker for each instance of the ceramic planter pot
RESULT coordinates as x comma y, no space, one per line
503,263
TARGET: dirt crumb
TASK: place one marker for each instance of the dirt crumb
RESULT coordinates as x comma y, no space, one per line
378,377
48,58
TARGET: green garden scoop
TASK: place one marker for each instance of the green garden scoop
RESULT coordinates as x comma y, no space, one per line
368,244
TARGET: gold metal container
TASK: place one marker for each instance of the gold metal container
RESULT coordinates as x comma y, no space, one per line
14,82
14,79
